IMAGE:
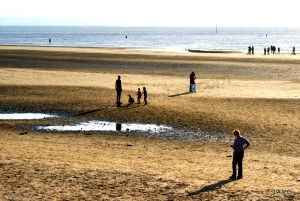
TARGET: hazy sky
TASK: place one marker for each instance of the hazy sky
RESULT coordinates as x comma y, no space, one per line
207,13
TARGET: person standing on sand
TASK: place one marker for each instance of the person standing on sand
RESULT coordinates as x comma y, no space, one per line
238,154
294,51
139,96
249,50
119,90
192,82
252,50
145,95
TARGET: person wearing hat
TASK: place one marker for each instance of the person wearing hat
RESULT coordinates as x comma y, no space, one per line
238,154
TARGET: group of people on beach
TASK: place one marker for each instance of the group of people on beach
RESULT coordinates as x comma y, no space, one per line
131,101
267,50
239,145
272,49
250,50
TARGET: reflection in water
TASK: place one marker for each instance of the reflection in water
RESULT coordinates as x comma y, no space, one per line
25,116
118,126
107,126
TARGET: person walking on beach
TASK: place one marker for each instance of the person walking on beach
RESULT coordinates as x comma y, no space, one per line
192,82
119,90
252,50
139,96
249,50
294,51
278,50
268,50
265,51
238,154
145,95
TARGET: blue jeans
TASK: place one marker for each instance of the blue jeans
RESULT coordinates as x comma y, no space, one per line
193,88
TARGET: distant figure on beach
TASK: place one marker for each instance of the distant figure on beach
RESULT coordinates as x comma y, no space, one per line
192,82
119,90
252,50
126,37
238,154
249,50
130,100
145,95
278,50
294,51
265,51
268,50
49,40
273,49
139,96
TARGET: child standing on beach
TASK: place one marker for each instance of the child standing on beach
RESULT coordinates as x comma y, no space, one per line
145,95
139,96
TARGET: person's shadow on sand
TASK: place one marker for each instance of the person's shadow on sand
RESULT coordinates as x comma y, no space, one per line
185,93
211,187
88,112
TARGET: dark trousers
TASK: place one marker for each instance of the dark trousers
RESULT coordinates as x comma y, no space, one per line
237,160
145,100
119,96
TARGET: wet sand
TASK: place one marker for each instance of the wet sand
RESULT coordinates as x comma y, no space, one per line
258,94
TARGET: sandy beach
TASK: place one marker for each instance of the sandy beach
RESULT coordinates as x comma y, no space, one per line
258,94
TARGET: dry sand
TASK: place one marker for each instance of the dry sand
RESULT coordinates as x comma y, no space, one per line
258,94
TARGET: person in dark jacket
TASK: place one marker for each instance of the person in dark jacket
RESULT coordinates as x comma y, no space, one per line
238,154
145,95
119,90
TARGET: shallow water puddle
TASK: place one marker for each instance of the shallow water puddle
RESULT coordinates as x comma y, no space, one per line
150,130
25,116
107,126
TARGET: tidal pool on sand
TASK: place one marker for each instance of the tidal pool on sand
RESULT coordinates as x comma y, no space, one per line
149,130
24,116
107,126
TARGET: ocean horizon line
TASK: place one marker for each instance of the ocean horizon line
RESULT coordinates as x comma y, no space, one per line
178,39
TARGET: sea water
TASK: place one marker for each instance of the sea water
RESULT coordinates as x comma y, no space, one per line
154,38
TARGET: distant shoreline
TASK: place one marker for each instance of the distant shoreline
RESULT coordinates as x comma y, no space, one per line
131,48
213,51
